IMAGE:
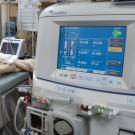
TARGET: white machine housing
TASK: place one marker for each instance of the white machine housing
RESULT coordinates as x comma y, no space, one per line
17,46
65,88
48,77
44,121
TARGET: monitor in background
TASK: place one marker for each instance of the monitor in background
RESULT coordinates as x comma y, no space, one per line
14,46
9,48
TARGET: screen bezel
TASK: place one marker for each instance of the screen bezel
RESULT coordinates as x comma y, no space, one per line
47,70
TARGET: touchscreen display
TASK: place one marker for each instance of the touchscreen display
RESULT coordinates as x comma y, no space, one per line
92,49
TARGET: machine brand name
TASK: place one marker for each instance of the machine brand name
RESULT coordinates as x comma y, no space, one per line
58,13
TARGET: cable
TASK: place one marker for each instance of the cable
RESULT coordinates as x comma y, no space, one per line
21,100
24,100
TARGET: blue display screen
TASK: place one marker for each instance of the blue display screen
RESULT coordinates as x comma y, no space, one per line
93,49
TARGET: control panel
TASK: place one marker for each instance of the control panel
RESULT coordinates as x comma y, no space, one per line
90,79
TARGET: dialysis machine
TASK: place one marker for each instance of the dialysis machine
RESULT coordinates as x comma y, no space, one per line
84,82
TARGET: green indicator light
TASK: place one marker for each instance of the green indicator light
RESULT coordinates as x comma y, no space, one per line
117,33
33,98
99,110
46,106
102,111
102,107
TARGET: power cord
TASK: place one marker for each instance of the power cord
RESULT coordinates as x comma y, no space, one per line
20,100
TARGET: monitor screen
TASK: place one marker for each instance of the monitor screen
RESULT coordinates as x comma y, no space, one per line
9,48
92,49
